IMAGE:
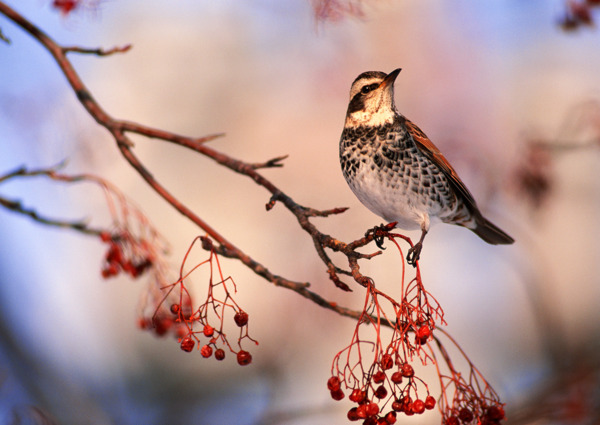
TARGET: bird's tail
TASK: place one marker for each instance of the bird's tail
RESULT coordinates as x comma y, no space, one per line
491,233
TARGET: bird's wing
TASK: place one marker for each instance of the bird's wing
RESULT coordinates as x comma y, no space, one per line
433,153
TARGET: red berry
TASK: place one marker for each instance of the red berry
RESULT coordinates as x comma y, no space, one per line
337,394
144,323
396,377
241,318
129,268
495,412
429,402
407,370
397,406
111,269
465,415
372,409
452,420
361,411
208,331
418,406
65,6
175,308
206,351
333,383
390,418
219,354
181,330
244,358
379,377
386,362
357,396
424,332
187,344
162,325
353,414
114,254
380,392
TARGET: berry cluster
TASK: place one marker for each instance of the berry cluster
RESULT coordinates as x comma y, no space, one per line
485,415
125,254
578,14
65,6
371,398
377,373
387,385
203,326
189,339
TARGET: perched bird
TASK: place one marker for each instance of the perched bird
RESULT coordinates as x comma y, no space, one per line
397,172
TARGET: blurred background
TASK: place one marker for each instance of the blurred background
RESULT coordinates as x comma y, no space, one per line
509,96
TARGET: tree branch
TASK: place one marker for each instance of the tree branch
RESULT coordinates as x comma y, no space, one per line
119,129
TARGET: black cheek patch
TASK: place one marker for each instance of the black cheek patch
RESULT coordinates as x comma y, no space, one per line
356,104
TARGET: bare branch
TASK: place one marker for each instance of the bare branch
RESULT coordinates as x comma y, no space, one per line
97,51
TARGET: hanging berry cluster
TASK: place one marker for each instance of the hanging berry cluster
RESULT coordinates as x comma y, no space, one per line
204,326
66,7
125,254
134,245
578,13
466,400
377,371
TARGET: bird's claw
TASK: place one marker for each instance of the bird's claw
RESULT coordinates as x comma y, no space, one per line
413,254
378,233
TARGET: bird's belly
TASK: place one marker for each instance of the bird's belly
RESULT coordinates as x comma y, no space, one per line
391,200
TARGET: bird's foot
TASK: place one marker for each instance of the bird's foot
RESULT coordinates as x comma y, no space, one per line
379,233
414,253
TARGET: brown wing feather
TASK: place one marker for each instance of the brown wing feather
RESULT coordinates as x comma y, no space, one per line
485,229
431,151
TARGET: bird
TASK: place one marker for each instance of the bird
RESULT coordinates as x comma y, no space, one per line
395,170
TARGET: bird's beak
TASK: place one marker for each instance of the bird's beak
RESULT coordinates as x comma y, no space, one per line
390,78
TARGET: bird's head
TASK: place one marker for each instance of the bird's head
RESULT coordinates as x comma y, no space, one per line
372,99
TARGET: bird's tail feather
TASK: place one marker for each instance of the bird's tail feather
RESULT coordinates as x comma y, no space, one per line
491,233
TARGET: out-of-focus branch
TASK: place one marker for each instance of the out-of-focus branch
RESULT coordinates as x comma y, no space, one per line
18,207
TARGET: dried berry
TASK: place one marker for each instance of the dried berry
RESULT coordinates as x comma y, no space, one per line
380,392
244,358
387,362
358,396
241,318
429,402
353,414
187,344
452,420
333,383
337,394
418,406
208,331
495,413
372,409
379,377
396,377
219,354
465,415
407,370
206,351
390,418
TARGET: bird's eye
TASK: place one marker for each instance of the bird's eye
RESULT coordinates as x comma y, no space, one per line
366,89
